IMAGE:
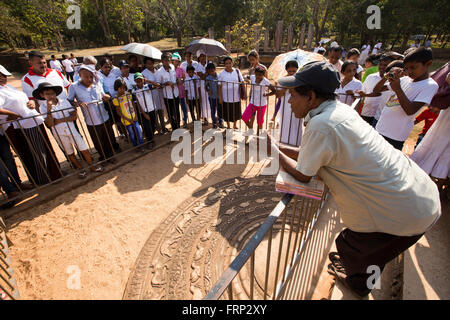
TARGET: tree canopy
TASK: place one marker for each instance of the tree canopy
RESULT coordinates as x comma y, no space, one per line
28,23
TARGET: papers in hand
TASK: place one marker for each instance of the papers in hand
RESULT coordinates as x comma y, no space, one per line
288,184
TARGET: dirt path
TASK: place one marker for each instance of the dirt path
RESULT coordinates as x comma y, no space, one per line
101,227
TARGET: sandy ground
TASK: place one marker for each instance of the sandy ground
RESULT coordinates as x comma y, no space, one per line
101,227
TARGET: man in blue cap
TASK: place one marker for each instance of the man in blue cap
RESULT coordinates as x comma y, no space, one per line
385,200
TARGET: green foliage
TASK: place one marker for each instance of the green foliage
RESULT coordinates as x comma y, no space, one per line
117,21
243,35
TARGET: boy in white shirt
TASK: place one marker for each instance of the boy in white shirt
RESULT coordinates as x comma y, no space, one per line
55,64
144,99
69,67
372,100
193,92
59,116
411,93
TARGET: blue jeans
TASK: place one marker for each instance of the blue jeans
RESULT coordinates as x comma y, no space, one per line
133,130
184,108
214,103
7,179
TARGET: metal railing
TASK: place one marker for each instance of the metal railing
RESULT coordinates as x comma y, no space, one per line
8,283
293,219
44,155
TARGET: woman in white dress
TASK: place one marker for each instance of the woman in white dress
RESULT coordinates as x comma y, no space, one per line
200,69
349,84
149,74
433,152
290,128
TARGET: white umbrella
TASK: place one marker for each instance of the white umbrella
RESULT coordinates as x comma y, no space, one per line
324,41
143,50
210,46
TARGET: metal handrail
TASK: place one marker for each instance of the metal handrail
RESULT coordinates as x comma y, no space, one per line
8,284
231,272
309,210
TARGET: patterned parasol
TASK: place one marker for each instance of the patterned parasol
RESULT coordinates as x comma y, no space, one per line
277,68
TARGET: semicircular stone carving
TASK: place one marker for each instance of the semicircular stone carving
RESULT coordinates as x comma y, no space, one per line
187,253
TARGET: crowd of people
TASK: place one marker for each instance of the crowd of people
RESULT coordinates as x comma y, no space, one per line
142,100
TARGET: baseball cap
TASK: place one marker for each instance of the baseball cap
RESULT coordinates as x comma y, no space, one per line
123,63
321,75
4,72
138,75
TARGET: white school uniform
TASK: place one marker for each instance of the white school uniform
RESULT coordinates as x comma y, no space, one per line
257,97
353,85
145,98
164,76
371,104
394,123
56,65
157,93
68,65
230,91
16,101
191,85
206,109
290,127
433,152
64,133
184,64
95,113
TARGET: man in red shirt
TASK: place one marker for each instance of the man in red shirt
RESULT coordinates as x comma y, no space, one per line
39,72
429,115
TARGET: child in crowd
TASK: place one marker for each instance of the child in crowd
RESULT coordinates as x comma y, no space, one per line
89,95
69,67
353,55
181,75
429,115
253,58
144,99
212,88
200,70
411,93
386,95
335,55
349,85
258,101
290,127
150,74
193,94
372,100
371,65
55,64
59,117
124,105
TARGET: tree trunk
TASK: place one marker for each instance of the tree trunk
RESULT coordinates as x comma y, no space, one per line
178,35
405,40
395,41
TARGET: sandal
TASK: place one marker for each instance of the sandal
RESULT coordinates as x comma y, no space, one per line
341,276
98,169
82,174
334,257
